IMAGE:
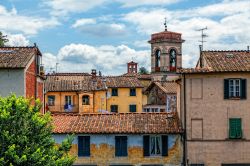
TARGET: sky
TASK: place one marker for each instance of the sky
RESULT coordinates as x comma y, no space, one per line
81,35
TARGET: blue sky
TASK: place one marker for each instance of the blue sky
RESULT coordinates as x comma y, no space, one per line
106,34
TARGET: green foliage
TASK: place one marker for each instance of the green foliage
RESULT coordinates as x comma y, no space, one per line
143,70
3,40
26,136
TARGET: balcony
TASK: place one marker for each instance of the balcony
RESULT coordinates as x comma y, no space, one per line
62,108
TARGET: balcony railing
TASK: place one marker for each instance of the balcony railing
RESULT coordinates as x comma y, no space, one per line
63,108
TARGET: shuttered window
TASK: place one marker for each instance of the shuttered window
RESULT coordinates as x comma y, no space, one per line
155,145
235,129
132,92
114,108
132,108
114,92
83,145
121,147
235,88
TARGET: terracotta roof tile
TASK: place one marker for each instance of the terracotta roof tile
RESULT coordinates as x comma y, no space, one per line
16,57
85,82
129,123
139,76
222,61
169,87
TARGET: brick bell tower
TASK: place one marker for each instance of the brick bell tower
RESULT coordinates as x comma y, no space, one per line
166,53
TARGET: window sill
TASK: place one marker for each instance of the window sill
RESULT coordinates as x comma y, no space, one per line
234,98
235,139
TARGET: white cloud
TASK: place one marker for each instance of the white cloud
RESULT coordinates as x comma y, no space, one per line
107,58
17,40
83,21
99,28
228,25
64,7
11,21
133,3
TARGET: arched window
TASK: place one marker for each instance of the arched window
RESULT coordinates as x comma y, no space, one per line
85,100
157,58
172,60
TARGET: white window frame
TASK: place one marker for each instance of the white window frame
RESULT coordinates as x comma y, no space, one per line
68,100
233,85
153,139
51,102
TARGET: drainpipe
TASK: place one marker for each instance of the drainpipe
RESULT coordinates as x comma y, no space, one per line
185,124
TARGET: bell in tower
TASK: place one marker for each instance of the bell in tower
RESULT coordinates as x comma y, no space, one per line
166,52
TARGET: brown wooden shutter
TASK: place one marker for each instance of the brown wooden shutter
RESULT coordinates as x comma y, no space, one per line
243,88
164,139
226,88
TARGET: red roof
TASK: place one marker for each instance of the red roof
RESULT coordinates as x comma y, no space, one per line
167,36
129,123
222,61
16,57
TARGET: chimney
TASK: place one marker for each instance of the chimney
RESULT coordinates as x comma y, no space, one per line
93,73
247,49
201,63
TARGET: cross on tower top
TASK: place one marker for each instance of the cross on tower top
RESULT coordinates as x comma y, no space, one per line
165,24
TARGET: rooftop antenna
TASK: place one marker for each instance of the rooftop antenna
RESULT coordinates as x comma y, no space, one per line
203,35
165,24
56,66
51,69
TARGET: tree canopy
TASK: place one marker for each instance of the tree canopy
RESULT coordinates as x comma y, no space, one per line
143,70
3,39
26,136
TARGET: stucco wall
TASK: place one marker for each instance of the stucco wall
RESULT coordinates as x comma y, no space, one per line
102,151
123,100
208,116
11,80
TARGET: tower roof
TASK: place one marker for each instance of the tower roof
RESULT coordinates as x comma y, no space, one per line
167,36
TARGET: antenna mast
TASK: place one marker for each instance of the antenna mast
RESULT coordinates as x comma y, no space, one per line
203,35
56,66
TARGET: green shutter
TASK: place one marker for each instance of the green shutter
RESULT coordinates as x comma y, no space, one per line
226,88
243,88
235,128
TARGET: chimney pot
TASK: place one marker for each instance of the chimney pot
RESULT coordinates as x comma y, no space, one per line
248,49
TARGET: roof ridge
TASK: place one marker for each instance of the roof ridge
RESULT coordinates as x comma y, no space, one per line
225,51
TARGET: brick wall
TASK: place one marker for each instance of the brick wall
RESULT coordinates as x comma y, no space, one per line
31,80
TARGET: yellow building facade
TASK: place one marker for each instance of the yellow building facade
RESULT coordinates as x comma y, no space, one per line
73,92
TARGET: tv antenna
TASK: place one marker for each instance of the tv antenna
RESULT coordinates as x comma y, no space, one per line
56,66
203,35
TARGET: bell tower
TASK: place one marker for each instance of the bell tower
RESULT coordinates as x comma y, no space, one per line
166,52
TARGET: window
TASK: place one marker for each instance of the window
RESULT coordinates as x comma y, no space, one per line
114,108
83,145
235,88
51,100
172,60
68,100
132,92
121,147
235,130
155,145
85,100
132,108
157,58
114,92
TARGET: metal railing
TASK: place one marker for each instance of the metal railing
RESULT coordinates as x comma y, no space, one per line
63,108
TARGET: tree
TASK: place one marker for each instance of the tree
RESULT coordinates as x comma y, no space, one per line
143,70
26,136
3,40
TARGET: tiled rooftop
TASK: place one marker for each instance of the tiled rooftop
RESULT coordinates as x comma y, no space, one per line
127,123
16,57
169,87
222,61
85,82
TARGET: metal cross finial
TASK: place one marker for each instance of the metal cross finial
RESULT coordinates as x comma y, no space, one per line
165,23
